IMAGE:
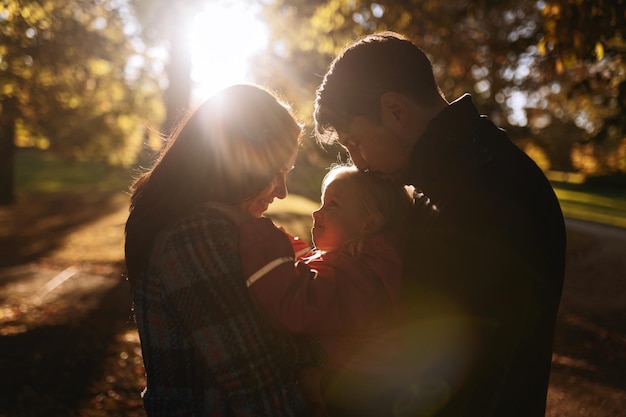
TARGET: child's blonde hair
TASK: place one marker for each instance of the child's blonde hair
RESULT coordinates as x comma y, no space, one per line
385,203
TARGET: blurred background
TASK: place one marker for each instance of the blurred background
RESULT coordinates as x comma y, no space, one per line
89,90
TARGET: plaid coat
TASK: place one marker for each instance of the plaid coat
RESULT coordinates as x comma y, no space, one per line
205,349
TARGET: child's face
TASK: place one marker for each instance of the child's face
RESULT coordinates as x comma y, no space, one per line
340,218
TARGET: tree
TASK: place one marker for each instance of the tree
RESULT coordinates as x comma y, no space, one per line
67,83
528,63
165,23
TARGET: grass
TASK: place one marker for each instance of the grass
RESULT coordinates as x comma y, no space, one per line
59,206
594,204
38,171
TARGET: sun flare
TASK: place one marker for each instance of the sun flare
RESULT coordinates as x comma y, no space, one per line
223,37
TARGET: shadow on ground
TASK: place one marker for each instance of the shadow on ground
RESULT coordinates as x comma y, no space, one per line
592,347
589,358
39,223
53,368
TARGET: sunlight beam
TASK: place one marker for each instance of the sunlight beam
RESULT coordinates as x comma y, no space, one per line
223,37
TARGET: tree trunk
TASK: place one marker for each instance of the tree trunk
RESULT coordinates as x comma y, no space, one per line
178,93
8,115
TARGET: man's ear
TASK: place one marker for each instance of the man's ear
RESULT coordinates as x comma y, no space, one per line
394,107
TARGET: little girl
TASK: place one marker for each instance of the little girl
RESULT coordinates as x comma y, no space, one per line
344,294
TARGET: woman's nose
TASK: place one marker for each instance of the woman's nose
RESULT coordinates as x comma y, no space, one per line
280,188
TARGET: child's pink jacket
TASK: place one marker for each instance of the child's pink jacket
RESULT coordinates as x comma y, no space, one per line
345,302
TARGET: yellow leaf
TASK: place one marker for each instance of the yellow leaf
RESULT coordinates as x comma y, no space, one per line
599,51
99,67
541,47
559,66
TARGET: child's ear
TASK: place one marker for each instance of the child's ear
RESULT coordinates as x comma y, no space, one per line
374,224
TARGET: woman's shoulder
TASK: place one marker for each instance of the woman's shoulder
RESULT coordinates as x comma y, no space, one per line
202,232
202,224
206,216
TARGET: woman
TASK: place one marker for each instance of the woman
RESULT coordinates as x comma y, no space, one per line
206,351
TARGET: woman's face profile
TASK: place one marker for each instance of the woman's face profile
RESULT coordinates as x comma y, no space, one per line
277,188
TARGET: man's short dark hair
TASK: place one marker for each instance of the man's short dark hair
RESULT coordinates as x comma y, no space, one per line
363,72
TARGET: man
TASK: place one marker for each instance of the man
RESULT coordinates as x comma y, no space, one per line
485,258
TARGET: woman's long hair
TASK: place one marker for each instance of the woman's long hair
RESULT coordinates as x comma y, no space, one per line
227,151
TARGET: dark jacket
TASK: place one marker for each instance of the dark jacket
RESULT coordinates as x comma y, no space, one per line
484,272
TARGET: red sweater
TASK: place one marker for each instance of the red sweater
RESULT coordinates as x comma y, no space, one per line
347,303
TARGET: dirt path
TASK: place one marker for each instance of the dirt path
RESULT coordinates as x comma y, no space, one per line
589,362
597,230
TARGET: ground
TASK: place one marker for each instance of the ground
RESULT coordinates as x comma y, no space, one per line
68,346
